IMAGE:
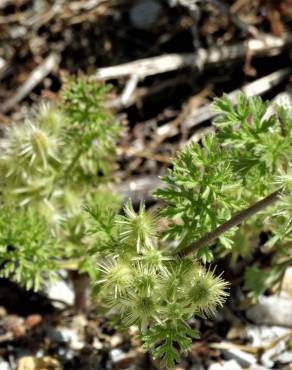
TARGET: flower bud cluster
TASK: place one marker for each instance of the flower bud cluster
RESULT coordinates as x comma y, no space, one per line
149,287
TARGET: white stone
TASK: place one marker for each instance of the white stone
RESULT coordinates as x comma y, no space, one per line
263,335
66,335
227,365
272,310
285,358
4,365
116,355
60,291
242,358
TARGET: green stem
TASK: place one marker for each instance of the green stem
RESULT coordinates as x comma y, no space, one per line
73,162
234,221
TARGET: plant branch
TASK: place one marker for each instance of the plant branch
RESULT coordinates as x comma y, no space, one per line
234,221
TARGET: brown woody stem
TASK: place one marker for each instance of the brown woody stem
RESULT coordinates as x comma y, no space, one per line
234,221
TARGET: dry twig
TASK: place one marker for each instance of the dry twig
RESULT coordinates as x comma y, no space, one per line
37,76
251,349
268,45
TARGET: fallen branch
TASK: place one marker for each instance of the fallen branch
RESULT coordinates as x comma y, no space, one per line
144,91
251,349
267,45
37,76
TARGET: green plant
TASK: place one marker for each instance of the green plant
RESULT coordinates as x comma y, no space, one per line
26,247
52,164
156,278
152,276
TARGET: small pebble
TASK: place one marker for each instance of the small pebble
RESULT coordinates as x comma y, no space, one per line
34,363
4,365
242,358
285,358
125,360
116,355
59,291
66,335
227,365
272,310
116,340
144,14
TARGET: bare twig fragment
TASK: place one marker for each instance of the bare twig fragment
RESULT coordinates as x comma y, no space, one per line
267,45
37,76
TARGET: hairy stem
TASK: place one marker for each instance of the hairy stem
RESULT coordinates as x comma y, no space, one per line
234,221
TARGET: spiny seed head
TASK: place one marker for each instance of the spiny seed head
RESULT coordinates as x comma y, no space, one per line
284,179
29,191
145,280
28,163
176,277
138,228
30,149
152,258
48,116
171,284
185,267
284,212
117,275
138,309
175,311
207,292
